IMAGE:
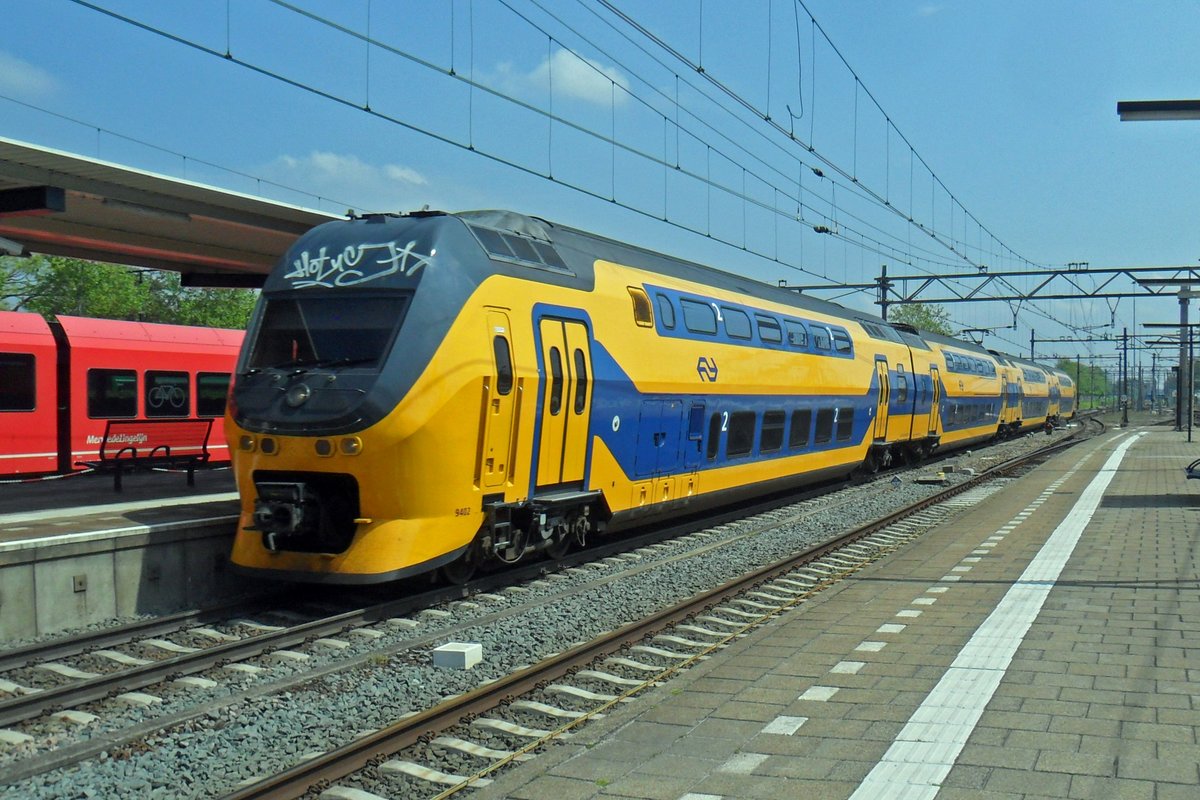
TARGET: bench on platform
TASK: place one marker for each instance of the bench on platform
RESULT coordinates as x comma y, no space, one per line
132,444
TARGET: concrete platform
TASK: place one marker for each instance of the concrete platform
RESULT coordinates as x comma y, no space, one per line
73,552
1043,644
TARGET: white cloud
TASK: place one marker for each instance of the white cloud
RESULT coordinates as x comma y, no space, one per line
571,75
347,178
24,79
929,9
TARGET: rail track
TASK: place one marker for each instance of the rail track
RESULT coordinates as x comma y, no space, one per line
717,617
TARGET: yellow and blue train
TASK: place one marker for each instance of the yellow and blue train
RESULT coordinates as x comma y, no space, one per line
437,391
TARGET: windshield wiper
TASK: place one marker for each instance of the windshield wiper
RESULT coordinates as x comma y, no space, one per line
339,362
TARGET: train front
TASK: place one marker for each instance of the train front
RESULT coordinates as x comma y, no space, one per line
320,423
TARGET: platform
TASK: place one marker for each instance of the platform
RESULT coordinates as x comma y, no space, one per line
73,552
1042,644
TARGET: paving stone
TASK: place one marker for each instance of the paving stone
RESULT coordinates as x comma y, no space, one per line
653,787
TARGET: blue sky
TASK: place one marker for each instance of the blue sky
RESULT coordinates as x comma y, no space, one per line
1012,106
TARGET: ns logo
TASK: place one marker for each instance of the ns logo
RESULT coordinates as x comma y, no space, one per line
707,369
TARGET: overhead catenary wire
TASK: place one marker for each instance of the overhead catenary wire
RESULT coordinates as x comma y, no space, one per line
874,243
821,208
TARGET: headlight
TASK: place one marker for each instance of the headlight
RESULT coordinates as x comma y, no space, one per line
268,446
324,448
297,395
246,443
351,446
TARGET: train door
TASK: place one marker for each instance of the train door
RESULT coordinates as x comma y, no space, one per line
566,401
935,378
660,434
881,412
495,466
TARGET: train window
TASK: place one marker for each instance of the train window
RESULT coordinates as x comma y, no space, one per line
841,341
771,438
714,436
211,391
556,381
666,311
698,317
801,423
901,386
111,393
523,248
549,255
768,329
824,430
820,337
741,434
167,394
504,367
737,322
845,423
796,335
17,382
327,331
642,313
581,381
493,241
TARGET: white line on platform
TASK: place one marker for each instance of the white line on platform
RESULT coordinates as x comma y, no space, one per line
927,747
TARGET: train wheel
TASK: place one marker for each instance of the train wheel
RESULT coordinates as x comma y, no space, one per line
871,463
560,544
463,568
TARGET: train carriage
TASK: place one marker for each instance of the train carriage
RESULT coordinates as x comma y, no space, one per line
28,395
915,424
1011,378
561,384
1066,396
971,391
63,379
1035,394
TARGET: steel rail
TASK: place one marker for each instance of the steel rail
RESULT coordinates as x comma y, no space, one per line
123,634
371,749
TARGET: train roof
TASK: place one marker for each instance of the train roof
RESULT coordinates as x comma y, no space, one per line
370,249
85,331
642,258
23,323
960,344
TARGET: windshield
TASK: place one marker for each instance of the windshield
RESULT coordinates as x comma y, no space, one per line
326,331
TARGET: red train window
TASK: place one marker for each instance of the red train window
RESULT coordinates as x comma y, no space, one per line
167,394
17,385
111,393
211,390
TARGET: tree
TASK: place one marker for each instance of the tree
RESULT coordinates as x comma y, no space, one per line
1091,385
925,316
52,285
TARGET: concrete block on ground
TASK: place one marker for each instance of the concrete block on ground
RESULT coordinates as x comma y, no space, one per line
458,655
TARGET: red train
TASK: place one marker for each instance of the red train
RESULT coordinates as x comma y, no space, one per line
62,380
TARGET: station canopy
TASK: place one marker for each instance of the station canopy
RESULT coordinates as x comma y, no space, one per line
63,204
